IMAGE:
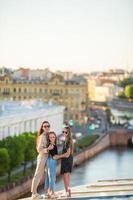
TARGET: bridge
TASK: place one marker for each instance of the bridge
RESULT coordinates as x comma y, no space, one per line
121,137
121,104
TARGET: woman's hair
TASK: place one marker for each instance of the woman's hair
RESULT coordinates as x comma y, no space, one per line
52,133
69,138
40,131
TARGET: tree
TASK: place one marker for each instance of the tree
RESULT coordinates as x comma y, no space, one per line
125,82
29,149
4,161
15,150
108,114
121,94
129,91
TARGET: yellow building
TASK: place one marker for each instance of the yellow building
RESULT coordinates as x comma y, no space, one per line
100,90
71,94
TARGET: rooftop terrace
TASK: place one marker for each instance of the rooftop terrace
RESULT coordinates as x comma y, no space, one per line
110,189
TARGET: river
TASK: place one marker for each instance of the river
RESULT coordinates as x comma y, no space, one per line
113,163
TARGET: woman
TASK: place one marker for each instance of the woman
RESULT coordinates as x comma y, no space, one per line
42,149
51,167
66,159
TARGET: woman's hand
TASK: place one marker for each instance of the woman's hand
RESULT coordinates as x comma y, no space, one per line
67,154
56,157
50,147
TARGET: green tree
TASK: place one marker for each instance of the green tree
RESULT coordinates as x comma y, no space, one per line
15,150
125,82
29,149
121,94
108,114
129,91
4,161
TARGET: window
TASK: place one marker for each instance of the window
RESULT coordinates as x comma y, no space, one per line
66,91
6,80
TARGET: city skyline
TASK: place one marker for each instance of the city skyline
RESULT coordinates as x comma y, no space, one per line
78,36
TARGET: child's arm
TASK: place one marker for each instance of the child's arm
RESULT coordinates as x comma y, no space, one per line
64,155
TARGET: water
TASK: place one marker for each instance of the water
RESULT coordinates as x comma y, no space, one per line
111,164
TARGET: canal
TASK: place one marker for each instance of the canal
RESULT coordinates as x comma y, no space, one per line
113,163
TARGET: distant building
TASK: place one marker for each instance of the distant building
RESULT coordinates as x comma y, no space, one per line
40,74
100,90
91,89
114,75
27,116
22,73
32,74
66,75
70,93
103,85
4,71
103,93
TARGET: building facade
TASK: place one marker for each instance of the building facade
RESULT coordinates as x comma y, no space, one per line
17,117
71,94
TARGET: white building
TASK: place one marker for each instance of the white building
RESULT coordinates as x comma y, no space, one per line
32,74
41,74
27,116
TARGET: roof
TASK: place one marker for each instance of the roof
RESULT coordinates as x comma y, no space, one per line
10,108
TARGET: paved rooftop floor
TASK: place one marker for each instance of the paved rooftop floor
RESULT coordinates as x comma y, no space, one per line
110,189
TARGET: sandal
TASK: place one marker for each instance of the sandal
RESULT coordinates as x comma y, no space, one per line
69,192
47,195
54,196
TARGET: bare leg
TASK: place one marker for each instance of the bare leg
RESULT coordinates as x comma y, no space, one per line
68,178
65,181
68,185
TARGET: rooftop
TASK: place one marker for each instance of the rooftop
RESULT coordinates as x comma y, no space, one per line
110,189
9,108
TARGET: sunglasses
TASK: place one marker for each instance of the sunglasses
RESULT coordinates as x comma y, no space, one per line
46,126
64,132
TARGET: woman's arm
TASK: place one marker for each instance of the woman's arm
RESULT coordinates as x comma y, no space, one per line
40,146
64,155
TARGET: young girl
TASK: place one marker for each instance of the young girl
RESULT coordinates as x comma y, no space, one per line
42,149
66,159
50,177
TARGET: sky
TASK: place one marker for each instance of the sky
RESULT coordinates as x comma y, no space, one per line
72,35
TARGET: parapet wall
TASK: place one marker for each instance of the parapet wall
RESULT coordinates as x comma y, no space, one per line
120,137
88,153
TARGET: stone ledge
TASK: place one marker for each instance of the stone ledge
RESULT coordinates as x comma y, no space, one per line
99,190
